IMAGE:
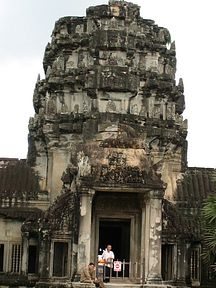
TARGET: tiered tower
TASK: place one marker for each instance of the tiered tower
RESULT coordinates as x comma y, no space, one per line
110,82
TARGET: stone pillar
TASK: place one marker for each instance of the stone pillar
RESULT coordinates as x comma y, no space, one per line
44,256
84,243
144,239
25,244
154,233
181,264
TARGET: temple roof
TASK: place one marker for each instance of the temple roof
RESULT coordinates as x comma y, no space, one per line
20,213
196,185
18,181
182,218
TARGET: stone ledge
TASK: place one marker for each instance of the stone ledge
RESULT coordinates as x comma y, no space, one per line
162,286
123,285
82,285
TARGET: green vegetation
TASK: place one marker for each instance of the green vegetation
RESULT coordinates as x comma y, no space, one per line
209,227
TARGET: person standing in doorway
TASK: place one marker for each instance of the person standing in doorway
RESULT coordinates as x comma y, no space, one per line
108,257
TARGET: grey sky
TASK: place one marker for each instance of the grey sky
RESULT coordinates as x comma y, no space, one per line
25,29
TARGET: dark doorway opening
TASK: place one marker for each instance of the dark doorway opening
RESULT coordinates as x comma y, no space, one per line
60,260
167,261
116,232
1,257
33,259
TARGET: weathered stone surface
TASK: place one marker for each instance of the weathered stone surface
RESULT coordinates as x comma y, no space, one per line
108,115
107,143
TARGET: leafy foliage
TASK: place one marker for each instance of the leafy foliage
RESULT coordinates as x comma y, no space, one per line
209,227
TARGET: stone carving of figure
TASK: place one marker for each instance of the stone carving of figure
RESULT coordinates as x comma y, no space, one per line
134,109
164,36
151,62
105,24
151,101
81,57
115,10
68,176
170,111
170,70
76,108
70,63
112,59
58,64
143,111
79,29
63,30
85,107
84,167
64,108
110,107
114,23
157,111
51,105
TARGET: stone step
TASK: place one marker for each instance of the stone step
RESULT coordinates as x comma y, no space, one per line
128,284
123,285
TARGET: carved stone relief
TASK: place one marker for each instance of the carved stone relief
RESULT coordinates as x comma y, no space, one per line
84,167
136,103
111,106
50,104
79,29
115,10
170,111
63,30
113,204
60,103
71,62
157,110
150,103
58,64
81,59
151,62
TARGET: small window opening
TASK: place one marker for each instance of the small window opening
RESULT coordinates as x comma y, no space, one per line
16,258
195,264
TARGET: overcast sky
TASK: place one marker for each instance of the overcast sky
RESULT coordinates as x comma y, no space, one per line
25,29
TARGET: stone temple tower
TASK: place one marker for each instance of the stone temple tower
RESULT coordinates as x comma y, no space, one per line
108,125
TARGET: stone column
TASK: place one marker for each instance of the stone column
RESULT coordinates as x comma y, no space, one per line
84,243
25,244
144,239
154,233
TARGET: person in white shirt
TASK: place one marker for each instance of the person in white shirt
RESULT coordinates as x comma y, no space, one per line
108,257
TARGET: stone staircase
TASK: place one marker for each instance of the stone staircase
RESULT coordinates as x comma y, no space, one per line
133,285
119,282
124,283
120,285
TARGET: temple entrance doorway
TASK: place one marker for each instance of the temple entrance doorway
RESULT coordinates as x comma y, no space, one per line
117,233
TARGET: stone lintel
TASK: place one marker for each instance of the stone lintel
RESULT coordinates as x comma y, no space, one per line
121,188
157,286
